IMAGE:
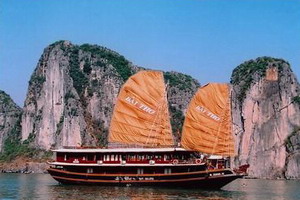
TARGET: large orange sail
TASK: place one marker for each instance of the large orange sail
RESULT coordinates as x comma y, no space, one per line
207,126
141,115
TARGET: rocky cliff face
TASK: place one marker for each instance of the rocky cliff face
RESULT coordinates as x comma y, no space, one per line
266,117
72,93
10,114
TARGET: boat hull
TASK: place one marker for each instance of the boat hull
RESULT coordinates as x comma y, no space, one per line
209,179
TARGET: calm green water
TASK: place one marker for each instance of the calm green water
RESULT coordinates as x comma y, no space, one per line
42,186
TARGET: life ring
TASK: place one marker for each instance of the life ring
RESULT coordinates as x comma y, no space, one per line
175,162
198,161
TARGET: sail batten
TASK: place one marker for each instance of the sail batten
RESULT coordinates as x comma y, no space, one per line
141,113
207,126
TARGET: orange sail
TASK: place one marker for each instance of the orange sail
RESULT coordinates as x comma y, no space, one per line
141,113
207,125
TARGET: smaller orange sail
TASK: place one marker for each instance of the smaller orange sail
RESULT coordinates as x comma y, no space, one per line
207,126
141,115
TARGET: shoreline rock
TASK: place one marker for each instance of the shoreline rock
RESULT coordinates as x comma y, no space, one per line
23,165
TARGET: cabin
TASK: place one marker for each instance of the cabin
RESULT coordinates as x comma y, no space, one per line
135,161
128,161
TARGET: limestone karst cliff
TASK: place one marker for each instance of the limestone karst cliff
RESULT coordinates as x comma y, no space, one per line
10,114
265,116
72,92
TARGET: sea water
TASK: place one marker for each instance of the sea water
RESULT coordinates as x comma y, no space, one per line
42,186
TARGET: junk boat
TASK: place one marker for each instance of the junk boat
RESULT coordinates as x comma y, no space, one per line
141,118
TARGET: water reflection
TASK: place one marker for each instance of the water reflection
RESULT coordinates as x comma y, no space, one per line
266,189
42,186
135,193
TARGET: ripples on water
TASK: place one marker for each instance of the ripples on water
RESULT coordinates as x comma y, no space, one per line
42,186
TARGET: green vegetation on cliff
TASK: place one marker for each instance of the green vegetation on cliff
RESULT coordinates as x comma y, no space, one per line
116,60
10,128
4,98
35,79
177,120
288,141
103,56
8,105
181,81
13,147
296,100
80,80
243,74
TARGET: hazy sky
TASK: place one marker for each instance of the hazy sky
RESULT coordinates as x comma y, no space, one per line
206,39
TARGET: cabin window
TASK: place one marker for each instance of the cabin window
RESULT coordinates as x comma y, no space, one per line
89,170
227,164
168,171
90,157
131,157
140,171
65,158
98,157
165,157
117,157
112,158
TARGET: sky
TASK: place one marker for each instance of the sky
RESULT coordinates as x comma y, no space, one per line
206,39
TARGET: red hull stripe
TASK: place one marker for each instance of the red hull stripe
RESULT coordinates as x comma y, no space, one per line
138,181
143,175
